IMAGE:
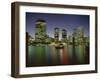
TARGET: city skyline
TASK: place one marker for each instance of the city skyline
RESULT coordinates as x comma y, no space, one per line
56,39
62,21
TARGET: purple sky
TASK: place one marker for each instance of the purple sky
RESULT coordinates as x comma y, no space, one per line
62,21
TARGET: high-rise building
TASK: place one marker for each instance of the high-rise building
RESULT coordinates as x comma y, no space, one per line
56,34
78,35
40,30
64,35
80,32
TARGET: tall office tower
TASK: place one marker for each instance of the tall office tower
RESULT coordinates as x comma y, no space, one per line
78,35
80,32
56,34
40,30
64,35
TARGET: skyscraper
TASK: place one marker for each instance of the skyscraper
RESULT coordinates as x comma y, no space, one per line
80,32
40,29
78,35
64,35
56,34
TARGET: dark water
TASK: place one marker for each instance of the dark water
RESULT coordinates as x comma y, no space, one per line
47,55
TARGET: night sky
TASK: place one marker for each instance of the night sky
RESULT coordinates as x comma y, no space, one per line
62,21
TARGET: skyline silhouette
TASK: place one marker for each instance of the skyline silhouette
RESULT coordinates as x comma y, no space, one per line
63,21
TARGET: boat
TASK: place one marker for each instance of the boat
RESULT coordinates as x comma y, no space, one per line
59,46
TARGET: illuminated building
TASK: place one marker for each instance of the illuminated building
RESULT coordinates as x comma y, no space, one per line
64,35
78,35
56,34
40,34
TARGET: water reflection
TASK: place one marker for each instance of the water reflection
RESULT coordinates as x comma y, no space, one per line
48,55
